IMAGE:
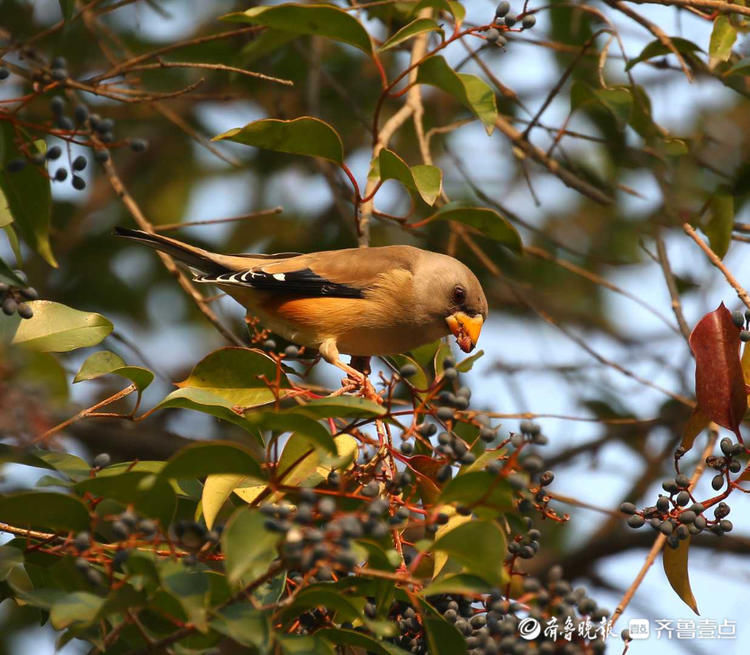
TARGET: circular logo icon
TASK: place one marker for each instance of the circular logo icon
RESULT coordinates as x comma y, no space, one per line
529,628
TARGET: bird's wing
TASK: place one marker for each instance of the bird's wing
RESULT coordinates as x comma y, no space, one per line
346,273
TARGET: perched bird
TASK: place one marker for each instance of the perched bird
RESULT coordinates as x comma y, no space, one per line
358,301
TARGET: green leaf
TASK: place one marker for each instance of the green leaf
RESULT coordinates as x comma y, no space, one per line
360,641
723,37
417,26
618,101
27,193
71,466
341,407
6,218
58,328
8,276
470,90
265,43
297,422
216,489
657,49
320,20
209,403
190,588
322,595
426,180
465,365
49,511
245,625
67,7
478,545
151,495
10,559
480,489
18,455
463,584
77,607
487,221
247,546
454,8
304,645
15,245
742,67
718,227
104,362
207,457
237,375
675,562
301,136
443,637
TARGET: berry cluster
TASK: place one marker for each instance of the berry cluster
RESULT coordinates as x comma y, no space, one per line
742,321
678,515
505,20
13,298
71,121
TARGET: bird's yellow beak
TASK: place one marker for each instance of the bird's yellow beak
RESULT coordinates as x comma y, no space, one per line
466,329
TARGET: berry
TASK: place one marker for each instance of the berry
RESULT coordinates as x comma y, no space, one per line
492,35
444,473
59,62
666,528
670,486
57,105
81,114
510,20
79,163
291,352
662,504
717,482
9,306
486,434
427,429
688,516
546,478
444,413
407,370
102,156
15,165
745,335
79,183
683,481
683,498
628,508
726,525
502,8
30,293
24,311
450,373
138,145
528,21
54,152
738,318
65,123
120,530
636,521
37,158
59,74
407,448
82,541
61,174
4,73
102,460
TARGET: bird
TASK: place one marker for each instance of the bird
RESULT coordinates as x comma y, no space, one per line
361,302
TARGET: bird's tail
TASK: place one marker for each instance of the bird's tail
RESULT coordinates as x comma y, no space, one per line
196,258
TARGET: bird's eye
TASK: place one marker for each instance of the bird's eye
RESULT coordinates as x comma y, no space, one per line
459,294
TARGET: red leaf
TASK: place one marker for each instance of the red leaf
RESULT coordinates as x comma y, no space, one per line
719,383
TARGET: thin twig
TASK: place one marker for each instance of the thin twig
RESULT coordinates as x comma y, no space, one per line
674,293
716,261
232,219
218,67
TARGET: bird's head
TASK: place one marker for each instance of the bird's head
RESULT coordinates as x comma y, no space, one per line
453,294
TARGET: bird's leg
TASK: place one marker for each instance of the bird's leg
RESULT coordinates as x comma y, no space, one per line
356,379
361,364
